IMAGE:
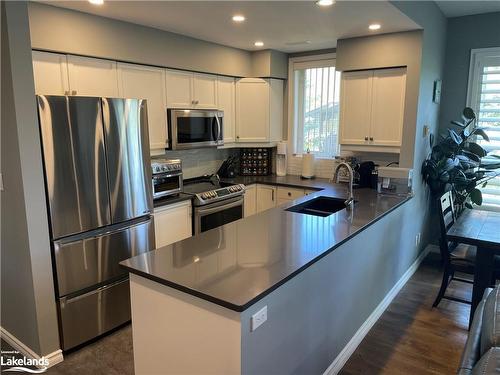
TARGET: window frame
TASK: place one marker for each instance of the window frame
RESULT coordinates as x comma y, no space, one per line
477,57
310,61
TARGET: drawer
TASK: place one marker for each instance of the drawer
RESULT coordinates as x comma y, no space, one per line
94,313
289,193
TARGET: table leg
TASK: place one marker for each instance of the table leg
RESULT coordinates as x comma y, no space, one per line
482,277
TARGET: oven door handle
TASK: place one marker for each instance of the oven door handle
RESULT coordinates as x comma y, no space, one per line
211,210
166,175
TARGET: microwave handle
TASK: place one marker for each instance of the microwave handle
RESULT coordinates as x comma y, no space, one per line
218,128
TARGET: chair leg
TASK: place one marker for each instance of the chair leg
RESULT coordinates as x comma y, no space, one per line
444,284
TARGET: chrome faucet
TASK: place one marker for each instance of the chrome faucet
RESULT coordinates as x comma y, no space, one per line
350,200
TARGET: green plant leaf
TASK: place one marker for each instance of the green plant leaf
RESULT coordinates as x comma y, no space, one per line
476,149
454,136
484,184
476,196
482,133
468,205
458,123
468,113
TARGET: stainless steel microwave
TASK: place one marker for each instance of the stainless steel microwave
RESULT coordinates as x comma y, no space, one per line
195,128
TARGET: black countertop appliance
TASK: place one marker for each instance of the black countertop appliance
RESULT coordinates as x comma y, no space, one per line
365,170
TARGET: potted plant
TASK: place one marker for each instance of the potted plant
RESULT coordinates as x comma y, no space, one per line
460,164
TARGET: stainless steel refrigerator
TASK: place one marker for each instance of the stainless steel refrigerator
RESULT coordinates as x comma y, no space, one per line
99,195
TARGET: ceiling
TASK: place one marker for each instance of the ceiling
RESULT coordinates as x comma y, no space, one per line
288,26
466,8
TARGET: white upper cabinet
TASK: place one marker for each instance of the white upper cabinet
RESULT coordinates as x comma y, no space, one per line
372,109
388,103
93,77
355,103
205,91
259,110
226,100
179,89
191,90
51,73
144,82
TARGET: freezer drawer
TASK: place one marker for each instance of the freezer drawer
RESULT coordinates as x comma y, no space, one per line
89,261
92,314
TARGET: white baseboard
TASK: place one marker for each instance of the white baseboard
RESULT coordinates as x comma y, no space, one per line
54,358
351,346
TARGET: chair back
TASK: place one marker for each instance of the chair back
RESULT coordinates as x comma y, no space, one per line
446,220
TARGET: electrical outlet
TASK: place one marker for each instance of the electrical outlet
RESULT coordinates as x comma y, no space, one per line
259,318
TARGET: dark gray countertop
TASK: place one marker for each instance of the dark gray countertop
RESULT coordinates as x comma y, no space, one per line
239,263
171,199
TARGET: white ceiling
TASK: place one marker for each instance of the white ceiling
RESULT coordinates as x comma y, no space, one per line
281,25
466,8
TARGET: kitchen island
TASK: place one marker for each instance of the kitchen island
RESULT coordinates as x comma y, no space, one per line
260,295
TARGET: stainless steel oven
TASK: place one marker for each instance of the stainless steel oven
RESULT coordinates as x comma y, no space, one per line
195,128
217,214
167,177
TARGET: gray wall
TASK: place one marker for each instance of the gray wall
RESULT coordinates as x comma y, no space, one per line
63,30
28,303
389,50
464,34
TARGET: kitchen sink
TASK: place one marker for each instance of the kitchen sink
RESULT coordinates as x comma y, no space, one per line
320,206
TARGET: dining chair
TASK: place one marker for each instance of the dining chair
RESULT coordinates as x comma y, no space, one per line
456,257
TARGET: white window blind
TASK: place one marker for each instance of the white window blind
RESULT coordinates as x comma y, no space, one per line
316,86
484,98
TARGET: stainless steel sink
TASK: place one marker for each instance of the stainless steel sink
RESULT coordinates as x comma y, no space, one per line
320,206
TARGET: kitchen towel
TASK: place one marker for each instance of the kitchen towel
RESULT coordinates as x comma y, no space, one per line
308,165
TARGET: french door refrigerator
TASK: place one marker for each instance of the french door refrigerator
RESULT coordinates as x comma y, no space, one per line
99,195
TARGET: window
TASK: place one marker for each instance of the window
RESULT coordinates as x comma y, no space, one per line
314,103
484,97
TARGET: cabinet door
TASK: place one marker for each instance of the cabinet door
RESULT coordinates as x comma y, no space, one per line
250,201
388,103
289,193
92,77
172,223
179,89
137,81
266,197
205,91
226,101
50,71
252,110
276,110
355,107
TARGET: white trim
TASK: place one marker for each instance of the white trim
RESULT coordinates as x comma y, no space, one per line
351,346
476,57
54,358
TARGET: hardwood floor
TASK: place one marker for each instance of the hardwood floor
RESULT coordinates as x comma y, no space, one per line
413,338
410,338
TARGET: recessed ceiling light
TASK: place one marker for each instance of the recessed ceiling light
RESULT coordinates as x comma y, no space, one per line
238,18
325,3
96,2
374,26
258,44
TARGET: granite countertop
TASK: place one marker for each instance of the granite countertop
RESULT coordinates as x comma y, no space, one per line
239,263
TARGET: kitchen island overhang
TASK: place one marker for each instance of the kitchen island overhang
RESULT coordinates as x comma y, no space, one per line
227,274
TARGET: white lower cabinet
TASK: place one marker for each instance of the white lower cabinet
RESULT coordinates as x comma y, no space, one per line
266,197
250,201
172,223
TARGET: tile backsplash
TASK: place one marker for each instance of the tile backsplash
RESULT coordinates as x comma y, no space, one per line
198,162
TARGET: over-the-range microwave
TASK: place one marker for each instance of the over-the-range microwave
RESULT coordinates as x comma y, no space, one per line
195,128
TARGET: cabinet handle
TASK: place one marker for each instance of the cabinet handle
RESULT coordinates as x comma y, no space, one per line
272,195
366,138
73,92
196,102
289,194
66,92
371,138
237,137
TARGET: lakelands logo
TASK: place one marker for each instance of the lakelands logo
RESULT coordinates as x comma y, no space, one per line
13,361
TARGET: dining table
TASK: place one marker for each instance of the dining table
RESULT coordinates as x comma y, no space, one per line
479,228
